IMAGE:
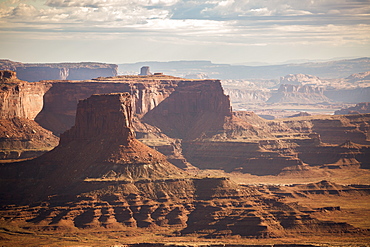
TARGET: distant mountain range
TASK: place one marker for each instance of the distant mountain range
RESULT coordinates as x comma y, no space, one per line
202,69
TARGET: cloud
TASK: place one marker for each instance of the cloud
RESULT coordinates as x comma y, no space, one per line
108,3
226,22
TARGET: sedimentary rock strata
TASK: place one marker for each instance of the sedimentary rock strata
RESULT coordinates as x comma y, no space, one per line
20,102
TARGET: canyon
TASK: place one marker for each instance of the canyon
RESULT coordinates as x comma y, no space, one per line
164,155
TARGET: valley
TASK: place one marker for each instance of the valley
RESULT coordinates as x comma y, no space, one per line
160,160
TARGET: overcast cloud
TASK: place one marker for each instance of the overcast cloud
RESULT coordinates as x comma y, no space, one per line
229,31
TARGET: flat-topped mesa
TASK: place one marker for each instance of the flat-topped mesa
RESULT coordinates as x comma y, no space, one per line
105,116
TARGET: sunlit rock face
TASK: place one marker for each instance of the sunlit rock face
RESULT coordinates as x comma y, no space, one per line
20,102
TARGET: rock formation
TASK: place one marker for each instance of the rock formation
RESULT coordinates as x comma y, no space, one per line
20,102
145,70
59,71
186,112
19,98
301,114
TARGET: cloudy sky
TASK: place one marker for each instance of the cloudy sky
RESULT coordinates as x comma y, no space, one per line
223,31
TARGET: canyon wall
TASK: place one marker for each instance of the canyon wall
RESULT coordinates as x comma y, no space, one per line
20,102
19,98
194,108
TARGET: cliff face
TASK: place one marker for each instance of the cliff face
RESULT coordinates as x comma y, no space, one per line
19,98
59,71
186,113
102,117
20,102
353,95
100,144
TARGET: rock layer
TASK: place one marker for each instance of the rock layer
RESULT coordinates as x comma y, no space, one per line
20,102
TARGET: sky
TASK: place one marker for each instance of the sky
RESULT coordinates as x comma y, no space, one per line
221,31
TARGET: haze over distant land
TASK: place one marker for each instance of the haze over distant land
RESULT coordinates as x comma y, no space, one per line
207,69
228,31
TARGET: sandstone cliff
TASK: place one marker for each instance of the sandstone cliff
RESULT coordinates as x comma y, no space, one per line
20,102
19,98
